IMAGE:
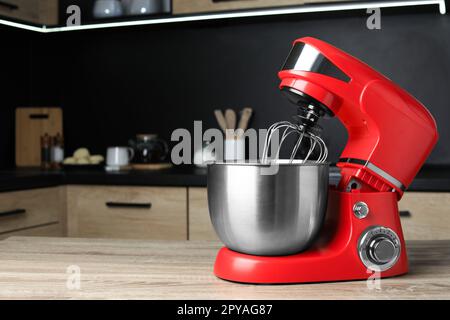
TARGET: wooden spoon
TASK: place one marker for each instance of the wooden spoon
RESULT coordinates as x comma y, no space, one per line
230,117
246,114
221,120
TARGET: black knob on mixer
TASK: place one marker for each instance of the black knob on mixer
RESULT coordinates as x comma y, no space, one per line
379,248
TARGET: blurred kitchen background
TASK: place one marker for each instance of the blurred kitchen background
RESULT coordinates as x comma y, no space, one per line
112,83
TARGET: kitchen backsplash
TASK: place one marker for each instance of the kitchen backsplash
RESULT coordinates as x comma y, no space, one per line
118,82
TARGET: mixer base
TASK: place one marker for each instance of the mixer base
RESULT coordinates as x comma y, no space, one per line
335,257
310,267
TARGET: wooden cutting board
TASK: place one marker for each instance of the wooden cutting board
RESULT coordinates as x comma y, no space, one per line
151,166
31,124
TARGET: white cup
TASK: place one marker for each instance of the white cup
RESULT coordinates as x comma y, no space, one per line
235,149
119,156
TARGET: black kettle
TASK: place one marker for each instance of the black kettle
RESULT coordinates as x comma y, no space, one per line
148,148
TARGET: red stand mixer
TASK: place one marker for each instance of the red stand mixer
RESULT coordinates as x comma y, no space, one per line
390,135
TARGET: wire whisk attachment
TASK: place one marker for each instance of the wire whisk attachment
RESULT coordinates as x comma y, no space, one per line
303,134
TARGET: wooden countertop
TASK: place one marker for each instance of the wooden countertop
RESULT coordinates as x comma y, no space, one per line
37,268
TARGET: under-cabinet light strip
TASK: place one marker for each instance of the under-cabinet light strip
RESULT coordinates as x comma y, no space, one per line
241,14
21,25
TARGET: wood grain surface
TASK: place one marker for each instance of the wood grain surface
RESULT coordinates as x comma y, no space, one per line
37,268
54,229
41,206
430,215
39,12
196,6
200,226
90,217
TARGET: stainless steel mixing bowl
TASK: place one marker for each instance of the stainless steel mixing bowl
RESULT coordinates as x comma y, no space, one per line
269,215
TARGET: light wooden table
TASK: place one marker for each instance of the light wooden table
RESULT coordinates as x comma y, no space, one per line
36,268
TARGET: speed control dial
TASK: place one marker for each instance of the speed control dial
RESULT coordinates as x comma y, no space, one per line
379,248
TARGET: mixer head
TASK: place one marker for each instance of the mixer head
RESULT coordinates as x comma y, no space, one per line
384,122
304,57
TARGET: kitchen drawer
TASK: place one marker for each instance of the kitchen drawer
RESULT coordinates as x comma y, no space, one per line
127,212
51,230
38,12
198,6
430,215
25,209
200,227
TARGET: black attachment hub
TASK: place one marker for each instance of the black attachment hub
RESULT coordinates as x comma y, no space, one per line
301,99
309,110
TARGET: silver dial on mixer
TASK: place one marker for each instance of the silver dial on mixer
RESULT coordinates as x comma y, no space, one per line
361,210
379,248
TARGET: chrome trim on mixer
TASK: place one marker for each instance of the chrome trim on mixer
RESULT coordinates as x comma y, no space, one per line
385,175
360,209
375,169
367,248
